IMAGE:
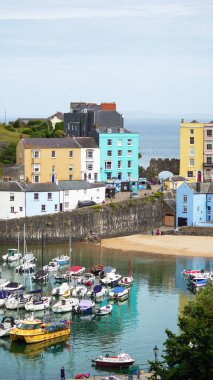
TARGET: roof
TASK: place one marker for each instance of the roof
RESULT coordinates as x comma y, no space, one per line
175,178
78,185
13,186
171,203
86,142
205,187
59,115
39,143
32,187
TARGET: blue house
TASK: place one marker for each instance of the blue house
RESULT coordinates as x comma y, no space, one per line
42,198
194,204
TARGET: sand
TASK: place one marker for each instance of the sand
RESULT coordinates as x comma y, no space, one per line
175,245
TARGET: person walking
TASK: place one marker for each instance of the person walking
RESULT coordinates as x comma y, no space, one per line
62,373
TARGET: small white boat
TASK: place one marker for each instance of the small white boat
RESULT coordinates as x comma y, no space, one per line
17,301
103,310
3,283
37,303
85,307
126,281
41,276
108,270
99,291
62,260
64,290
28,258
13,287
3,297
121,360
26,267
52,266
119,293
12,255
79,291
111,279
65,305
6,325
88,279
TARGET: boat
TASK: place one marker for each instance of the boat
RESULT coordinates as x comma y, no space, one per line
103,310
3,297
188,272
85,307
13,287
40,276
79,291
64,290
35,331
65,305
76,270
52,266
107,270
3,283
99,291
28,258
37,302
119,293
111,279
117,361
12,255
62,278
88,279
17,301
96,269
62,260
126,281
6,325
26,267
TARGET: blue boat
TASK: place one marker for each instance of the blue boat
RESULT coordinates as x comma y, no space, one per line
62,259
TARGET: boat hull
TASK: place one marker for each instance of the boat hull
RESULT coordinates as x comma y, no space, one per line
39,337
99,363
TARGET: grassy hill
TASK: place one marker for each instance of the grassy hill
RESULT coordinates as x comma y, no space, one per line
8,136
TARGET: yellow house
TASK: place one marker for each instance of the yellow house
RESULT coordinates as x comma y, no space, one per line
173,183
191,150
51,159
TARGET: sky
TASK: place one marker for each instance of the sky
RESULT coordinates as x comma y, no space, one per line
148,56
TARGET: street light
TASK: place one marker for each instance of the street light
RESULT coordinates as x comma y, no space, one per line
156,350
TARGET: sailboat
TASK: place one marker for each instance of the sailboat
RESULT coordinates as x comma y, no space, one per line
27,263
127,281
38,301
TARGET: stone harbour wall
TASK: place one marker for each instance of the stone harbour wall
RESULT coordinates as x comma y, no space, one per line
105,221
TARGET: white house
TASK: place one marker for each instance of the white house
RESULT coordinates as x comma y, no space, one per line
73,191
90,159
12,200
57,117
42,198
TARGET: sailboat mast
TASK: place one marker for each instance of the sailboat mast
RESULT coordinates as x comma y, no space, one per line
42,258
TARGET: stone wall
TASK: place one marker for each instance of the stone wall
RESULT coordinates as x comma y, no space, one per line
115,219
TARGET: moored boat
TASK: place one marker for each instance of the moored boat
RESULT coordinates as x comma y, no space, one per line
34,331
119,293
6,325
96,269
52,266
12,255
38,302
62,260
65,305
121,360
103,310
76,270
126,281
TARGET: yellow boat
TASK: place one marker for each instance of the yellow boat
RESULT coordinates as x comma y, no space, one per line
34,331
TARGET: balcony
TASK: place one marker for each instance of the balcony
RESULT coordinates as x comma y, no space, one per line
209,165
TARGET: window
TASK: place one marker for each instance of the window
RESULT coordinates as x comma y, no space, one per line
190,174
129,174
49,196
35,153
56,207
70,168
208,210
129,153
119,142
12,197
109,175
35,168
120,153
89,153
95,176
20,209
184,198
89,166
71,154
12,210
66,205
191,151
209,197
36,197
191,131
129,142
119,164
66,193
119,175
191,140
89,176
209,146
129,164
209,160
53,168
121,130
43,208
109,142
36,179
184,209
109,130
209,133
108,165
191,162
109,153
70,177
53,155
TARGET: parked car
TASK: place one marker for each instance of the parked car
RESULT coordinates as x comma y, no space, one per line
133,194
86,203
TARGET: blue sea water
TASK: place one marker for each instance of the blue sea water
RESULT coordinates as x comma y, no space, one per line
158,138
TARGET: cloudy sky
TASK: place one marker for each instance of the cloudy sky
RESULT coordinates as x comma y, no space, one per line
146,55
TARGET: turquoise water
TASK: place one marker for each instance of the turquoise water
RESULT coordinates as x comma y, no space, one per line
157,296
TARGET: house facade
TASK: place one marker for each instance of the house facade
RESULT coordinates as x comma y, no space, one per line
194,204
191,150
41,199
55,159
208,152
12,200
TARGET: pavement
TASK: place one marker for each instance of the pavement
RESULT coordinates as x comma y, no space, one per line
125,195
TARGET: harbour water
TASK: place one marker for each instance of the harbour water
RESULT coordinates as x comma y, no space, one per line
135,326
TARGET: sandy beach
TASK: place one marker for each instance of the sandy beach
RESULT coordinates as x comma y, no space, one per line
164,244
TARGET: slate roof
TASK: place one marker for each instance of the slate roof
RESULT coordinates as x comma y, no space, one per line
78,185
205,187
12,186
45,187
39,143
58,114
171,203
175,178
86,142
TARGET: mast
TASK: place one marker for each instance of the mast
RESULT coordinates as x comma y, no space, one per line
42,258
70,253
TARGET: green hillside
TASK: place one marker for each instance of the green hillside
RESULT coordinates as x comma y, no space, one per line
8,136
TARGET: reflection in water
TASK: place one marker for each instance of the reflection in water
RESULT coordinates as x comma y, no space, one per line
135,326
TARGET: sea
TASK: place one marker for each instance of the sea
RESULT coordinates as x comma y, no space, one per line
158,138
135,326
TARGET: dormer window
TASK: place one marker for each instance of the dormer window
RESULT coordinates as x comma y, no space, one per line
121,130
109,130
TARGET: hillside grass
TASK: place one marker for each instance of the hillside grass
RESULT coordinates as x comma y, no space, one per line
8,136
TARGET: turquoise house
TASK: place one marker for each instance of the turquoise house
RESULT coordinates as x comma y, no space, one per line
194,204
118,155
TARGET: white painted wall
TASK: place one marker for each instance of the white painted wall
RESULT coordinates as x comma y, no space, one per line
70,198
55,120
6,204
94,161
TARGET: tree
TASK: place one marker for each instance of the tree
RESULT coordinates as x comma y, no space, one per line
189,355
8,154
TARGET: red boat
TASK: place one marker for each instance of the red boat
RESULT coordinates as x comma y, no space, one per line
76,270
96,269
121,360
